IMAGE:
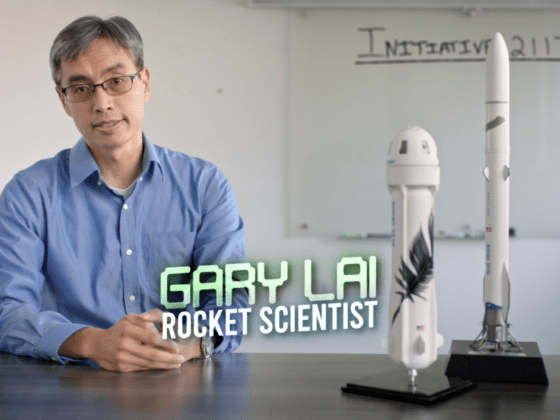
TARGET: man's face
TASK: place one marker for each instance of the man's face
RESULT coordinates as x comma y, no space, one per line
106,121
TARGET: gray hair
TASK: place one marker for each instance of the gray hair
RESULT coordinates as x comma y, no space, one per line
77,37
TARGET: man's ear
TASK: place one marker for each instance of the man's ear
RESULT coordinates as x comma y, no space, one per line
62,99
145,78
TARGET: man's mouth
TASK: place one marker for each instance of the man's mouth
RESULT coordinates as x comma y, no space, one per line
106,124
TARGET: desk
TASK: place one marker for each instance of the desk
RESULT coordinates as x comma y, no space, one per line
250,386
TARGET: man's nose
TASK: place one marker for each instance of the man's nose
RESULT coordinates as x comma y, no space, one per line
102,101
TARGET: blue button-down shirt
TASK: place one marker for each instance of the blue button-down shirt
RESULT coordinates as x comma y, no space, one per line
75,253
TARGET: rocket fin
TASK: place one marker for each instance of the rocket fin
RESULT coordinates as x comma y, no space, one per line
420,345
486,173
506,172
384,343
505,292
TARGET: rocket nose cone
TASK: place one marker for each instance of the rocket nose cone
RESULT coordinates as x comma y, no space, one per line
497,70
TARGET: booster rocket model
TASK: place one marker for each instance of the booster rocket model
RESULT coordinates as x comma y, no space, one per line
413,176
495,334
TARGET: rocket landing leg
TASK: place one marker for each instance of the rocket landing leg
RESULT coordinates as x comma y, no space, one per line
495,335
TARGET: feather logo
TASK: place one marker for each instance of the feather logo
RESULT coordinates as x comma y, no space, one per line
414,281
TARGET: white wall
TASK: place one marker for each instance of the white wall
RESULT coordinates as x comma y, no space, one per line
219,83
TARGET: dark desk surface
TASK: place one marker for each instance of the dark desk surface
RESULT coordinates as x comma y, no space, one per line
250,386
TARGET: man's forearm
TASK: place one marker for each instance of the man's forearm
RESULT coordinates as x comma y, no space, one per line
79,344
131,344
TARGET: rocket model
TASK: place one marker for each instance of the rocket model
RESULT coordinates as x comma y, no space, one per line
413,175
495,333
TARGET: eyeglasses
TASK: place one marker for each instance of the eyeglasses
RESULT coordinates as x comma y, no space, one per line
113,86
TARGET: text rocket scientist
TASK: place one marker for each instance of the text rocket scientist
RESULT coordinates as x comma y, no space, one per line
496,173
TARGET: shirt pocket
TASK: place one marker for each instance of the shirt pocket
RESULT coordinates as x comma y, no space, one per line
167,249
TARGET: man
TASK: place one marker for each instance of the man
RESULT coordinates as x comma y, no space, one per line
84,236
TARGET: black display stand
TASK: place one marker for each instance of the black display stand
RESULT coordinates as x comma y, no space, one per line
526,367
393,385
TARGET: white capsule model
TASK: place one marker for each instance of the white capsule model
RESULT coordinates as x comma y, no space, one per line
413,176
495,334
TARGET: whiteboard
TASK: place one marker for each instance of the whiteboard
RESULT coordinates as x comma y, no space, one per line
357,77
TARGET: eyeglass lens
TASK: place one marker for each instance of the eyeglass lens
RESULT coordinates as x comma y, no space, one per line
114,86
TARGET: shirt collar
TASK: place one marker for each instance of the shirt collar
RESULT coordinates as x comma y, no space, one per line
82,164
150,155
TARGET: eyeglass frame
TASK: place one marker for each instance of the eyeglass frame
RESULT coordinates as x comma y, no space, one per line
94,86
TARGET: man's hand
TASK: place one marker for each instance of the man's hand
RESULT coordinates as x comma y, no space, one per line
190,348
131,344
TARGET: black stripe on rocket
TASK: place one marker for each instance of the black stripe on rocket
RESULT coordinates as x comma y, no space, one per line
490,125
495,122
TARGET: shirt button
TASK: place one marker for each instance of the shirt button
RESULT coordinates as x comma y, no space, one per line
125,206
141,178
129,252
132,298
99,182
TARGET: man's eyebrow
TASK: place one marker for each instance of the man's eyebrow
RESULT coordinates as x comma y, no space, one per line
82,78
77,78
